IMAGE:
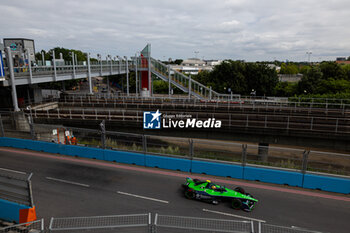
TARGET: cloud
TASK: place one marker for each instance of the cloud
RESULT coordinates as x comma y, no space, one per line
236,29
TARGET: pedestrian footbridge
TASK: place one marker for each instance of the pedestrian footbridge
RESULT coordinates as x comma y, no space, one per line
145,67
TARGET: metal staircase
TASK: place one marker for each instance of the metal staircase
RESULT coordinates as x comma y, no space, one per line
181,81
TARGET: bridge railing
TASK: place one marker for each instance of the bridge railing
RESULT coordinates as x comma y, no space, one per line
24,71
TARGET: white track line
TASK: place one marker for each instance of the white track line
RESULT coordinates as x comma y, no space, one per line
147,198
68,182
304,229
9,170
233,215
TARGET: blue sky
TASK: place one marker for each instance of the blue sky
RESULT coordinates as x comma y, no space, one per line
236,29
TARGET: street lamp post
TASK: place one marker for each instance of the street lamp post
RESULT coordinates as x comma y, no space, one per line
73,61
127,75
100,58
89,73
136,75
42,58
309,54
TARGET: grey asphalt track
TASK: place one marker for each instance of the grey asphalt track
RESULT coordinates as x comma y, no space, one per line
99,191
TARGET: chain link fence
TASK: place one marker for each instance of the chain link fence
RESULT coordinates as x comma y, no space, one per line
29,227
101,224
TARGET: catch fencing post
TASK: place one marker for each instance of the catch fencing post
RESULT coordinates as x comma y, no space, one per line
2,127
312,121
103,134
244,154
336,125
191,151
144,144
31,126
305,161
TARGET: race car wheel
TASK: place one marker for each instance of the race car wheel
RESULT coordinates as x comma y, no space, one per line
189,194
236,204
240,190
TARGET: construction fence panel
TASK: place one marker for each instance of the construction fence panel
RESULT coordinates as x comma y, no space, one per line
33,227
170,224
115,223
267,228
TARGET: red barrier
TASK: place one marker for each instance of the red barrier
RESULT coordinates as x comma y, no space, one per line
27,215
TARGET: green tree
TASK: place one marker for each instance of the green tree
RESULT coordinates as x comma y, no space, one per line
261,78
66,54
332,70
229,74
304,69
346,69
178,61
333,86
309,81
289,68
286,89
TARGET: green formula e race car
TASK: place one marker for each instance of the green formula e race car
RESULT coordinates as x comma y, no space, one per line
213,193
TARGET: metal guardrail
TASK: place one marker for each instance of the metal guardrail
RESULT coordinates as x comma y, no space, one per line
29,227
113,223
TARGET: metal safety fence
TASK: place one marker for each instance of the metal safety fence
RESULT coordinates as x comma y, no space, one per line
247,121
114,223
148,223
173,224
29,227
299,159
308,104
267,228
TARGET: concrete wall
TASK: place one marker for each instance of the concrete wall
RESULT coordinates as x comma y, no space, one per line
269,175
14,212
